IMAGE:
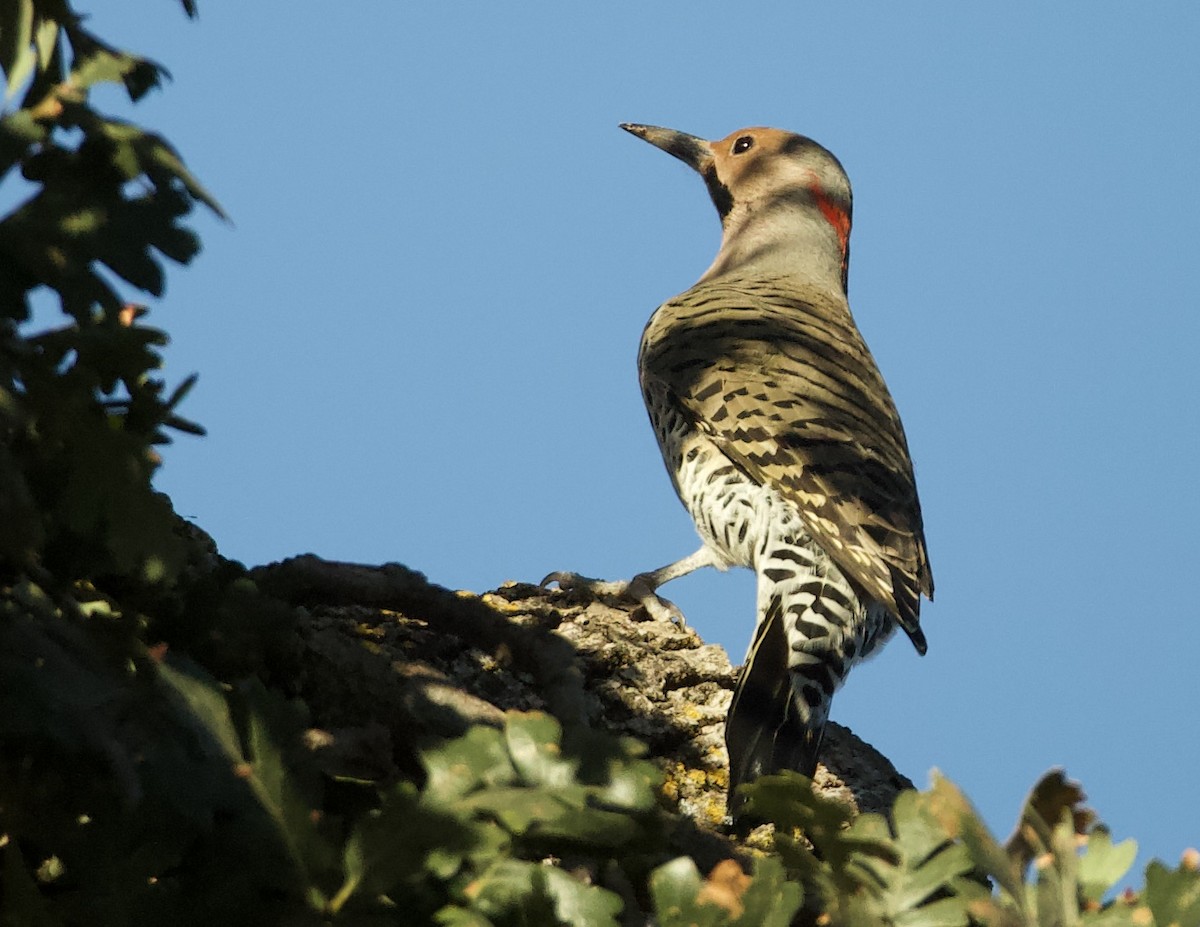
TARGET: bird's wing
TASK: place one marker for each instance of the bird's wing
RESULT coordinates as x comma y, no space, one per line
785,385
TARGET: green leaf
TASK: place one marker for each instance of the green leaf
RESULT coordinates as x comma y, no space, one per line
389,846
1173,895
159,158
960,821
17,58
534,741
770,900
457,843
97,62
476,759
628,782
1116,915
175,242
535,894
283,777
18,132
561,814
45,40
591,827
576,902
517,808
209,708
788,801
727,897
912,882
461,917
802,817
1104,864
673,888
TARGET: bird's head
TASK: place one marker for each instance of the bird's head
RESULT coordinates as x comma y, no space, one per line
770,187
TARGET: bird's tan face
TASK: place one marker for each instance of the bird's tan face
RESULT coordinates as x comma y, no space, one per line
762,167
745,158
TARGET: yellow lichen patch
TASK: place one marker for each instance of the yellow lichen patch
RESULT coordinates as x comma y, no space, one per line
690,711
501,604
713,812
671,779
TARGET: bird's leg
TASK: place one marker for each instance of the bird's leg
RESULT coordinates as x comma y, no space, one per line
643,587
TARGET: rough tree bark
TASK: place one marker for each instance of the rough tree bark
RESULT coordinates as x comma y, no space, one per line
391,661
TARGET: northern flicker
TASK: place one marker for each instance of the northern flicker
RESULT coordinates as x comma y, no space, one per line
782,441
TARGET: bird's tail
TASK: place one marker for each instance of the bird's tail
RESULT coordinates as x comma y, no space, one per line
770,726
810,631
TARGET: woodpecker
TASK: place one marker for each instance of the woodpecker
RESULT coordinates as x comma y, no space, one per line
782,442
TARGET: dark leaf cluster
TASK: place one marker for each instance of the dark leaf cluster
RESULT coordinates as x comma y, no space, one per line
81,409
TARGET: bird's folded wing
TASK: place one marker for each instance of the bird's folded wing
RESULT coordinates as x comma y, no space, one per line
792,396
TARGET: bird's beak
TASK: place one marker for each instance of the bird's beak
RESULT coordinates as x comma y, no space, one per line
692,151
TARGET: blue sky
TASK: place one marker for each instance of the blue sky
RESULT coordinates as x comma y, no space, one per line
417,340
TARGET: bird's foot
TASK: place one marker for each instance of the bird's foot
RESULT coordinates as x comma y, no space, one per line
640,589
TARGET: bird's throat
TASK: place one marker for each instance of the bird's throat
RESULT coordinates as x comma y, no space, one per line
805,241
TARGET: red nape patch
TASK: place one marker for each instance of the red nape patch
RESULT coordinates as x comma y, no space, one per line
834,215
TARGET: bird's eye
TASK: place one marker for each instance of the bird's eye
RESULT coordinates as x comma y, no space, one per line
743,144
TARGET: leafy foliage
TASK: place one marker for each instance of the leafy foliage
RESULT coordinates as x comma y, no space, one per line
80,409
933,862
496,805
152,768
728,897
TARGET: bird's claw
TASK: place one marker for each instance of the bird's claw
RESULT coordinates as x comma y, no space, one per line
575,582
644,592
638,589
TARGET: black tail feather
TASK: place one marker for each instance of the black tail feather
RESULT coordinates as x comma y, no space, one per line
765,731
